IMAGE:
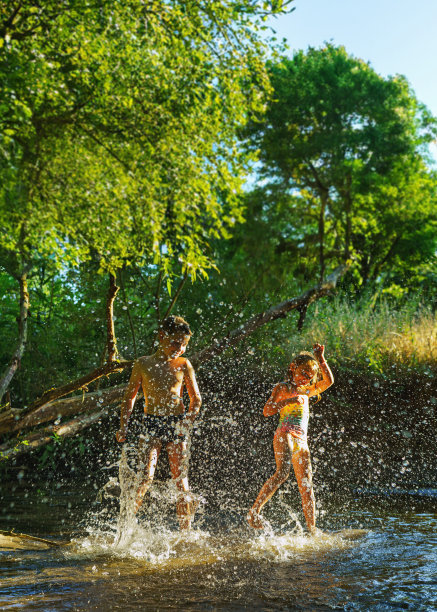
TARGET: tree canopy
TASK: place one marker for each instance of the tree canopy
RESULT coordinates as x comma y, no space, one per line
345,167
119,127
119,133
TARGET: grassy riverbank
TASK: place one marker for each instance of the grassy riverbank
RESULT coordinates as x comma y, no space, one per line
361,337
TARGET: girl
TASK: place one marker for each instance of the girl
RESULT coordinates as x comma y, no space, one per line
290,399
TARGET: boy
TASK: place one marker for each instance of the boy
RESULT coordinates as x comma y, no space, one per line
163,376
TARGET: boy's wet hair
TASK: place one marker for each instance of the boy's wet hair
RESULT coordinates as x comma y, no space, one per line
175,325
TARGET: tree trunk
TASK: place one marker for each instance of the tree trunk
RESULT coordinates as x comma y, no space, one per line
176,295
323,192
348,210
156,303
111,342
323,201
22,336
131,323
389,254
111,365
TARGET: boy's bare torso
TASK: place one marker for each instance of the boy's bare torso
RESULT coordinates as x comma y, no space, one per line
162,383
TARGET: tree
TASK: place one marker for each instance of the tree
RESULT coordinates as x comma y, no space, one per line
340,147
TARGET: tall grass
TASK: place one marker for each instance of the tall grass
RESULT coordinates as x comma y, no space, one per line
359,335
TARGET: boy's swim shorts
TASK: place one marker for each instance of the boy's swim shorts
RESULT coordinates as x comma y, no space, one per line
165,428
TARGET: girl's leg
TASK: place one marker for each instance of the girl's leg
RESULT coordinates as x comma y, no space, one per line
304,477
178,459
282,446
148,453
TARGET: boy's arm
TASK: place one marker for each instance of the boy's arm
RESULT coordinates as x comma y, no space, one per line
128,402
327,376
193,392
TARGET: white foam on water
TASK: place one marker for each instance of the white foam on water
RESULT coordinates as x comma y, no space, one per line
152,537
161,547
285,546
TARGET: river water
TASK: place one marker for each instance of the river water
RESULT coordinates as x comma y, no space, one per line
388,563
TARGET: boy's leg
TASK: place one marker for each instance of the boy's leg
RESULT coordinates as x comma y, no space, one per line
304,477
281,446
148,453
178,459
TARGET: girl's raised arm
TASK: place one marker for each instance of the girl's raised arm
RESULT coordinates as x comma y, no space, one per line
327,376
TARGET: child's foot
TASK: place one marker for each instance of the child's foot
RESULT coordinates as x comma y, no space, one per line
254,519
193,506
142,490
316,532
186,509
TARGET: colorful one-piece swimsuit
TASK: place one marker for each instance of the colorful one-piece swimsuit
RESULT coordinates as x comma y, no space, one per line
293,418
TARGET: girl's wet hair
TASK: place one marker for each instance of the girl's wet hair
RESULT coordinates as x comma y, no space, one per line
305,357
175,325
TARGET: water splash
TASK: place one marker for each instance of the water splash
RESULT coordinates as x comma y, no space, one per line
164,548
153,538
129,481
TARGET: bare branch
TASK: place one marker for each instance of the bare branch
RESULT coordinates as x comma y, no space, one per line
276,312
177,294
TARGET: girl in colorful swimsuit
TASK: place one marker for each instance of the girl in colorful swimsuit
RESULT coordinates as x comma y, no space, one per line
290,399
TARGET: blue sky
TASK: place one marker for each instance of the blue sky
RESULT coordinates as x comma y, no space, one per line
396,36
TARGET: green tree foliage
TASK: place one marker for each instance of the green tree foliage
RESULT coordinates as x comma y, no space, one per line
118,126
345,169
134,166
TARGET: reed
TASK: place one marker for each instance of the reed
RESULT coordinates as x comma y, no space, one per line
382,336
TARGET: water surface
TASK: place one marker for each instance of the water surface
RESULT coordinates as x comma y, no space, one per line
221,564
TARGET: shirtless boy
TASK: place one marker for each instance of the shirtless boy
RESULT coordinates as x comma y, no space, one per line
162,377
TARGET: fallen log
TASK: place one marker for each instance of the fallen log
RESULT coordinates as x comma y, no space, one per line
44,436
9,540
105,370
8,417
300,303
63,408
